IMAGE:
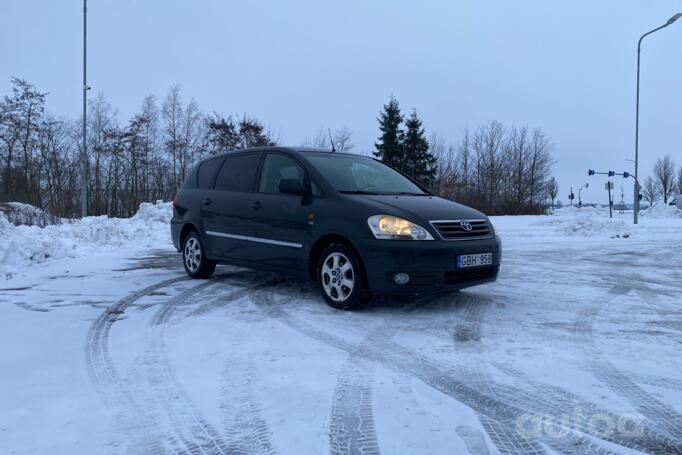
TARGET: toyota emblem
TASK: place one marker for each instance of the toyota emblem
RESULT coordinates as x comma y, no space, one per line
466,226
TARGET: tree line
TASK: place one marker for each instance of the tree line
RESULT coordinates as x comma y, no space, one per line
664,183
496,169
493,168
145,159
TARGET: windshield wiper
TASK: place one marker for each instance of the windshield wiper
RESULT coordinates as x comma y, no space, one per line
407,193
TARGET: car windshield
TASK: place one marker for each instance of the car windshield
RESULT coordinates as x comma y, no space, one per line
361,175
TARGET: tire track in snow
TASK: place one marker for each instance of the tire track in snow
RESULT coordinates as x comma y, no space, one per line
351,427
660,416
496,417
134,418
559,404
655,380
554,403
247,431
470,329
500,407
198,435
190,427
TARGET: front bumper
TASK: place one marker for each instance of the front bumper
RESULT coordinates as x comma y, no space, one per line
430,264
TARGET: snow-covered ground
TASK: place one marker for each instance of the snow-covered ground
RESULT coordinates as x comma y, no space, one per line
106,347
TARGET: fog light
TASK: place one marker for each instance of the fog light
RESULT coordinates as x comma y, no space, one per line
401,278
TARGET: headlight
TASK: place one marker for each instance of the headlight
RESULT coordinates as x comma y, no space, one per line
392,227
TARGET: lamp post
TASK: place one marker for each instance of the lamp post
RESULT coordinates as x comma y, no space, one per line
580,191
84,155
639,51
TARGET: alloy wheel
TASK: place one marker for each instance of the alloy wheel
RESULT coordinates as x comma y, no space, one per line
338,277
192,253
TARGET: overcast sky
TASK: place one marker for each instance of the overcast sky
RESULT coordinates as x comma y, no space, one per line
567,67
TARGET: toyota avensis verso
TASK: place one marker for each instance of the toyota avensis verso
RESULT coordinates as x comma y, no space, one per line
351,223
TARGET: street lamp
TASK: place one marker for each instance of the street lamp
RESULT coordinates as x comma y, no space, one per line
580,191
639,50
84,154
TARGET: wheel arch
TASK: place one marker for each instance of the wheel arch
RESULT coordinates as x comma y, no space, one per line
186,229
323,242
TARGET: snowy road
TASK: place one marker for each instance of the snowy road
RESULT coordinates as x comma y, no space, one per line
576,349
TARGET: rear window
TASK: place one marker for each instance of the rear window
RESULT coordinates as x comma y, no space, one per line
238,173
207,171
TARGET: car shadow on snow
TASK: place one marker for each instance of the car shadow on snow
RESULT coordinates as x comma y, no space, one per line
156,259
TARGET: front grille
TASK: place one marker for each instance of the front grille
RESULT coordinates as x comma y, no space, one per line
455,229
468,275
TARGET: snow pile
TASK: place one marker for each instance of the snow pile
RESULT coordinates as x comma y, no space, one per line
662,211
25,245
161,212
28,215
586,222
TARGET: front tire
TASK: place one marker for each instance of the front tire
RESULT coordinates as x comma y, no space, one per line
194,259
341,278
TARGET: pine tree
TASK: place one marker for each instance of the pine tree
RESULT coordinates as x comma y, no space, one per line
389,148
418,162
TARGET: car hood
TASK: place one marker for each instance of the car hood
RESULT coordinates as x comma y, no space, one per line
422,208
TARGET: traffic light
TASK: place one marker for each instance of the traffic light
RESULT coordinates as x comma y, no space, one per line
626,175
611,173
590,172
571,196
640,197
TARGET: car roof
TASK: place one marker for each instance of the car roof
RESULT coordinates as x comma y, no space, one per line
302,150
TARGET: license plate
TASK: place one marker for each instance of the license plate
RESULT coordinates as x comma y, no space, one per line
474,260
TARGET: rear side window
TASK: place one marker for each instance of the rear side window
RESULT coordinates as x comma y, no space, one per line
238,173
207,171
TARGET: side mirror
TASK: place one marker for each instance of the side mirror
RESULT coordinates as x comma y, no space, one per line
291,186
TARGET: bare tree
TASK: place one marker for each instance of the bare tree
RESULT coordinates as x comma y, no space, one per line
650,190
101,122
319,140
172,114
190,139
342,139
664,173
464,166
22,114
679,183
496,169
541,162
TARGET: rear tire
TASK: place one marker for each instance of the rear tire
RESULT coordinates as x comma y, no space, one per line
341,278
194,257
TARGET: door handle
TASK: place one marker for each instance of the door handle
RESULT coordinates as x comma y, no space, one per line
208,201
256,205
